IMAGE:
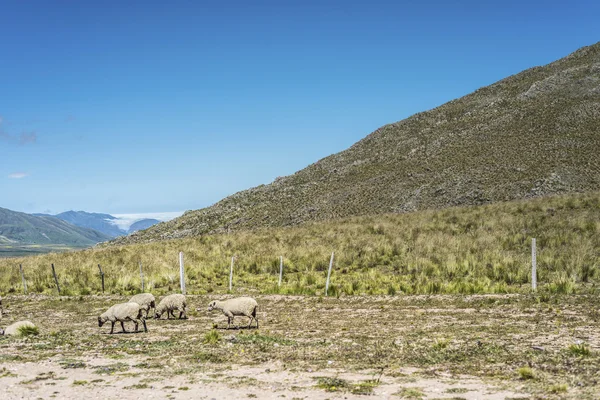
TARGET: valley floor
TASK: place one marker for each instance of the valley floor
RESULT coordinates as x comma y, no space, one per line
413,347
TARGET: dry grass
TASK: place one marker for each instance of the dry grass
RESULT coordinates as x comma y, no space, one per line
483,249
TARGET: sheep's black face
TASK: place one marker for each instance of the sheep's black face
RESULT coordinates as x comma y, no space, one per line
212,305
100,323
157,315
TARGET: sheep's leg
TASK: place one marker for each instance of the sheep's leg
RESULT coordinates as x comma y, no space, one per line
112,327
229,316
123,327
250,321
182,312
144,322
136,325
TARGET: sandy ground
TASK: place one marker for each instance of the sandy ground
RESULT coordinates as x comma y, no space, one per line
47,379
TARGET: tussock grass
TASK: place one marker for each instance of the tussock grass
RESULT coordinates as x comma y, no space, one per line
526,373
463,250
579,349
28,331
212,337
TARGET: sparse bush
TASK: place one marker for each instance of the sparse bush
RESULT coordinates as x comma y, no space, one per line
579,349
559,388
526,373
28,331
212,337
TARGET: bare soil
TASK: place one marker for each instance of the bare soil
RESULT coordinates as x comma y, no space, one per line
413,347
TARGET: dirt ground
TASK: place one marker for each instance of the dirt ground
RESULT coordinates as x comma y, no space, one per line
412,347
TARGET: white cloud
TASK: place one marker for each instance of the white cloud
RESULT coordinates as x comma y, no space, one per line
124,221
18,175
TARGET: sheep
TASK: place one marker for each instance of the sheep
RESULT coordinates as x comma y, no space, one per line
15,329
245,306
123,312
169,304
145,300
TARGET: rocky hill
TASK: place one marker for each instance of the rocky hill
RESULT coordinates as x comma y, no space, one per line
533,134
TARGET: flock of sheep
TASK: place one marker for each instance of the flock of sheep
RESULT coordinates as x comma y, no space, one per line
138,308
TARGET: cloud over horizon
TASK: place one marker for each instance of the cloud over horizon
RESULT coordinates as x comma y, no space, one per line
124,221
18,175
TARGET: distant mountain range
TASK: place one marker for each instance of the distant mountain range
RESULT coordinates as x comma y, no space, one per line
101,222
18,228
533,134
28,234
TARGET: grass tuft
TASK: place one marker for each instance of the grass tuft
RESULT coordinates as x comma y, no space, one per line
212,337
579,349
526,373
28,331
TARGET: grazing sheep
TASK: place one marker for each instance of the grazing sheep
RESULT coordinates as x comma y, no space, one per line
123,312
171,303
245,306
145,300
15,329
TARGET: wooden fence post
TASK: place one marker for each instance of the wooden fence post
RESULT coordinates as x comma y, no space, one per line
280,269
101,277
23,279
533,266
328,274
142,277
231,274
181,272
56,279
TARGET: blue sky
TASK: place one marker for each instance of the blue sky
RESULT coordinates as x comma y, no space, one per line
167,106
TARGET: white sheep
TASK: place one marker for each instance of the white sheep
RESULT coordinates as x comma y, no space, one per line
145,300
123,312
173,302
244,306
15,329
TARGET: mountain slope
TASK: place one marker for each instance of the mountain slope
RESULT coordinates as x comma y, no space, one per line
18,228
96,221
532,134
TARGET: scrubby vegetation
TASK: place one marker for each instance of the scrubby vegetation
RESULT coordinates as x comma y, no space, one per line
478,249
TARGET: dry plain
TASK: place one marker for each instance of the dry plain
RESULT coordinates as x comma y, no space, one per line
309,347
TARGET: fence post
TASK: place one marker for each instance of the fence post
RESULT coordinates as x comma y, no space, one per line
142,277
56,279
533,265
328,274
101,277
280,269
23,279
231,274
181,272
